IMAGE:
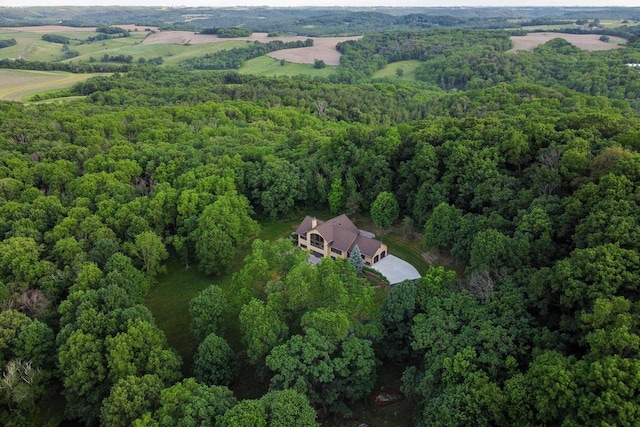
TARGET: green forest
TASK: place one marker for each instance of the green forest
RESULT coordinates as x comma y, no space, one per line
521,168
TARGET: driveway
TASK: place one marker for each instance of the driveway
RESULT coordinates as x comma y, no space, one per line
396,270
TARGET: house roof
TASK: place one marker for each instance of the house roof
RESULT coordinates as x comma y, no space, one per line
306,225
339,231
341,234
343,239
367,245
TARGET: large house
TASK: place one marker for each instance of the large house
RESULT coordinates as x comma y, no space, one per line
337,237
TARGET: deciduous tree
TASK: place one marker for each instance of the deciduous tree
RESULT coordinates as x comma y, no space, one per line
262,329
215,363
330,374
206,311
385,210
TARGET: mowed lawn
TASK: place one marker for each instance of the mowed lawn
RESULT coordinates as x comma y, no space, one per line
15,85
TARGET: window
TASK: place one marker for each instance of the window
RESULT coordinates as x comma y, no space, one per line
303,246
336,251
317,241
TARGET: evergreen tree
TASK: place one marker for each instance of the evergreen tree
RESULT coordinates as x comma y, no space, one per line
356,259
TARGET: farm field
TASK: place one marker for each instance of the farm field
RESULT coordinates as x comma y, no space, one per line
605,23
323,48
15,85
31,47
590,42
172,46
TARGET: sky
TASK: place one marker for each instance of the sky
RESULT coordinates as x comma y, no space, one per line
325,3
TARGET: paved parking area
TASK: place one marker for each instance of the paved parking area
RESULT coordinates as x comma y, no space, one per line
396,270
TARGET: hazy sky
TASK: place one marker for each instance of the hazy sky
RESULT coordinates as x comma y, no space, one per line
294,3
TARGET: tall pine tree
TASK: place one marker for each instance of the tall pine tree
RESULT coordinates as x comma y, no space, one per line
356,259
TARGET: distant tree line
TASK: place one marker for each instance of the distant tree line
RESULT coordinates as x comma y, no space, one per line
71,67
545,21
125,59
7,43
106,29
557,63
55,38
227,33
361,58
309,21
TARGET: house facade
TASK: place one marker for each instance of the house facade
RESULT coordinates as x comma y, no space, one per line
337,237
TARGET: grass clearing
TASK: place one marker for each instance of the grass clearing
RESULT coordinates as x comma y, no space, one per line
272,67
390,70
168,299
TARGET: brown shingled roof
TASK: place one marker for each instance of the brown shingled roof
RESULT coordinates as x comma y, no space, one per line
343,239
305,225
339,231
367,245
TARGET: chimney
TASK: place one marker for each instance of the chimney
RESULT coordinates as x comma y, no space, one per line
314,222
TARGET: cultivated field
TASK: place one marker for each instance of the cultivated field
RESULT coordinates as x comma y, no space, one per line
172,46
16,84
31,47
323,48
582,41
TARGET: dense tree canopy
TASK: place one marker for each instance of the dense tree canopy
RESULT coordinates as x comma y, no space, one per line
530,189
